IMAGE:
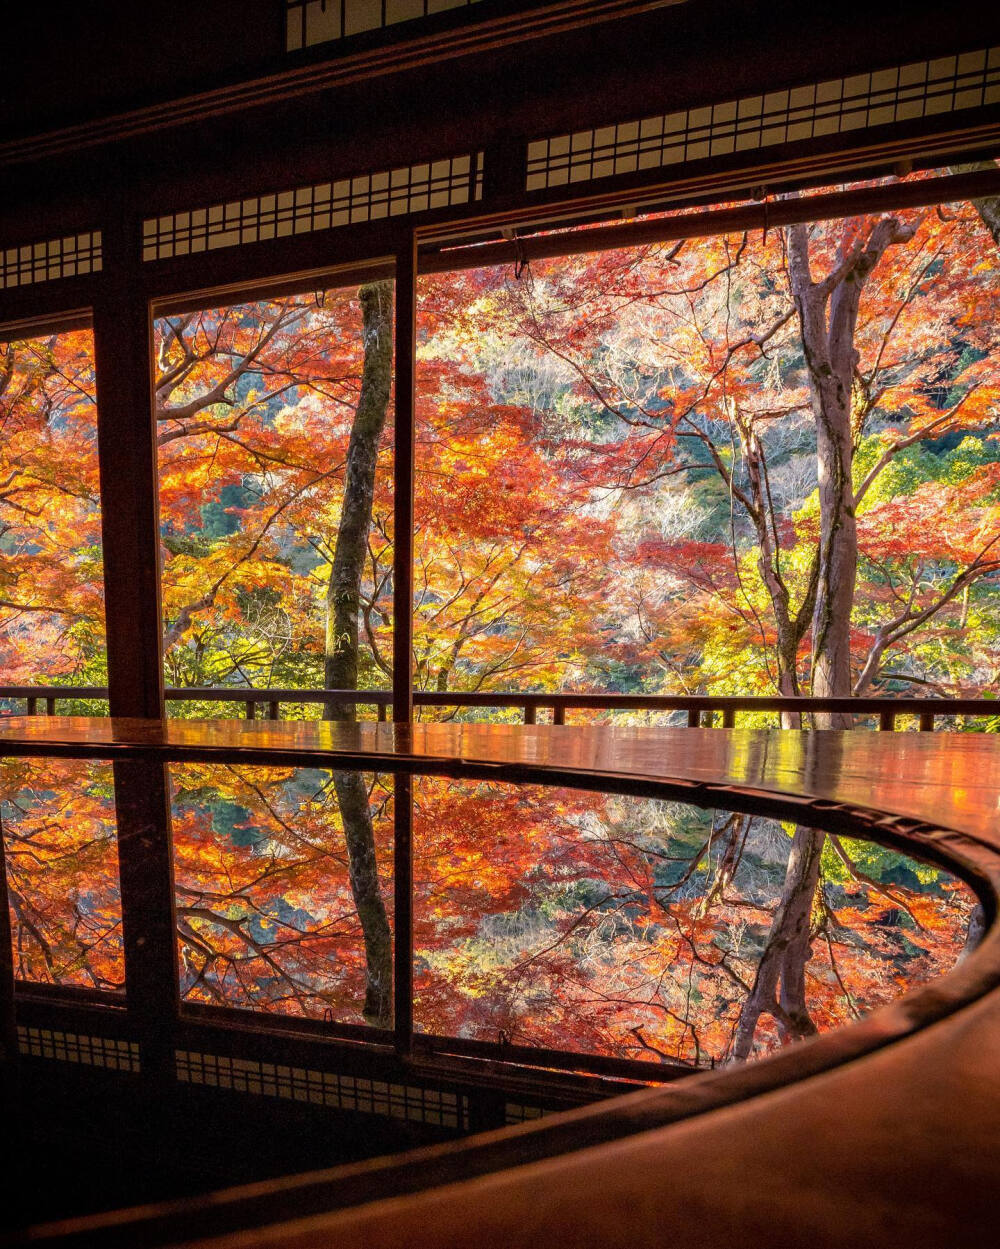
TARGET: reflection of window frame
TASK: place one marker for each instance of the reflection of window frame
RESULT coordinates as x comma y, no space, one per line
309,23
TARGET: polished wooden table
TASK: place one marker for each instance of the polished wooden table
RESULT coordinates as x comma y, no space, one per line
946,780
887,1132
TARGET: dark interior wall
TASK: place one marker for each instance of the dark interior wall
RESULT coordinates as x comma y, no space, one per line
67,62
267,129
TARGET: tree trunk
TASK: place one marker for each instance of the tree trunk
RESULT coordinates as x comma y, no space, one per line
779,986
827,313
343,594
343,602
988,209
830,359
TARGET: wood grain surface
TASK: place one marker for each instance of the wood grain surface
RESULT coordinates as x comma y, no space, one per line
887,1132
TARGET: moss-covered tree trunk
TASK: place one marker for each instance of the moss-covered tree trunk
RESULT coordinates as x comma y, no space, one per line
343,593
343,604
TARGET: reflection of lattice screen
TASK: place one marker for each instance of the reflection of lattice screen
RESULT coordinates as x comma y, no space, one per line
324,1088
318,21
844,104
44,262
69,1047
515,1112
349,201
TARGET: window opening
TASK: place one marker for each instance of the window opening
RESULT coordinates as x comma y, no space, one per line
623,449
52,632
275,464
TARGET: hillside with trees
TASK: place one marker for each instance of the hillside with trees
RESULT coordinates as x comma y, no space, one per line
748,464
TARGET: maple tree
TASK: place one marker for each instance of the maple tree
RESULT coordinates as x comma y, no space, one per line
51,572
734,465
786,382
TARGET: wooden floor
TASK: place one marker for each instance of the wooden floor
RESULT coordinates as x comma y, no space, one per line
884,1133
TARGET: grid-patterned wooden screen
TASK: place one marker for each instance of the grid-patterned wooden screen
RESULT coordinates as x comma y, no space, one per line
73,1047
324,1088
66,257
904,93
418,188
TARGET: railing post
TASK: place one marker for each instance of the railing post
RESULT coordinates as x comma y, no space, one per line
32,706
694,718
927,722
886,721
251,708
558,714
729,717
530,713
50,706
272,709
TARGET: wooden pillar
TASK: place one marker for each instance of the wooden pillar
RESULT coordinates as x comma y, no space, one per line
130,535
403,463
129,502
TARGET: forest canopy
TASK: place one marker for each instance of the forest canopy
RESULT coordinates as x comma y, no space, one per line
755,463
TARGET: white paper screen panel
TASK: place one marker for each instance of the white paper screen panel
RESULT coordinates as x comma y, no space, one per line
71,256
456,180
904,93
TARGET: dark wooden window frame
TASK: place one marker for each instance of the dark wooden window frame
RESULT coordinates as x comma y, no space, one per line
119,303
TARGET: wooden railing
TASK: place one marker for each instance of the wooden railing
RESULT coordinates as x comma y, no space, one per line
700,710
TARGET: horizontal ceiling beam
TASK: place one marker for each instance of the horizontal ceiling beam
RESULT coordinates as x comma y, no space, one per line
763,215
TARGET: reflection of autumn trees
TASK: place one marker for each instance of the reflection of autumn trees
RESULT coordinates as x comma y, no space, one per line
559,918
267,911
62,871
633,928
